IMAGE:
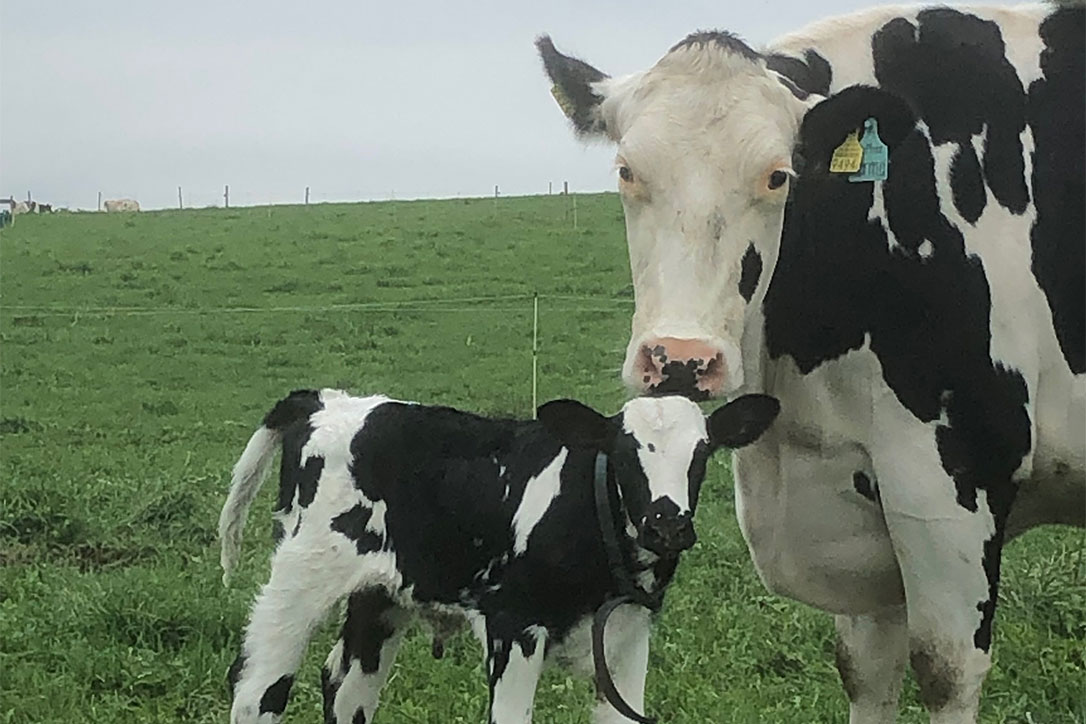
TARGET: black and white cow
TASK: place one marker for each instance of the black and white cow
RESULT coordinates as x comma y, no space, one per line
409,509
925,332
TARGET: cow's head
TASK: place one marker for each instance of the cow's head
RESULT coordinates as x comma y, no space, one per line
705,158
658,448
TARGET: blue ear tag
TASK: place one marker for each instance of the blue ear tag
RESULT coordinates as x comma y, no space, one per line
876,158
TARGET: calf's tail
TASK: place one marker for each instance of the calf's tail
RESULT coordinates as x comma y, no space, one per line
252,469
249,474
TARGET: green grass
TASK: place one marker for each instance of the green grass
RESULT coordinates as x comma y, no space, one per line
118,430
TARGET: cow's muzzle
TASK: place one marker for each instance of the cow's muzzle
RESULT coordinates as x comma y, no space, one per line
672,366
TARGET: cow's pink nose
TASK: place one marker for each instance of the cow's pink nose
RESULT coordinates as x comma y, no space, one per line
673,366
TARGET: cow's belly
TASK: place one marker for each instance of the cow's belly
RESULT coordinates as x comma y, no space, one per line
812,535
1055,491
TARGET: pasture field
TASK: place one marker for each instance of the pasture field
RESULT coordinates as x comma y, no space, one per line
118,430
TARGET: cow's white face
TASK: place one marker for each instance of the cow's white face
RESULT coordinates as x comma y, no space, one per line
705,143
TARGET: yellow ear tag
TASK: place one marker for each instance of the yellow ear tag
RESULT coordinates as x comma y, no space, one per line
848,157
564,102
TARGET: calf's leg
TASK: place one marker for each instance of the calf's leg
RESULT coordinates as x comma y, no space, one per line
626,643
358,666
301,591
514,660
871,655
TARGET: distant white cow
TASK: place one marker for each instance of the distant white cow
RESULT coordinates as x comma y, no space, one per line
20,207
121,205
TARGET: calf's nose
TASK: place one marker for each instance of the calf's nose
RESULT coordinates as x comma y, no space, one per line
667,534
674,366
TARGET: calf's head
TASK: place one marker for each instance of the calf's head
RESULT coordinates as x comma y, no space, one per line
658,448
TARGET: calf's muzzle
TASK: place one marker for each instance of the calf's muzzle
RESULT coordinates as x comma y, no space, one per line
665,531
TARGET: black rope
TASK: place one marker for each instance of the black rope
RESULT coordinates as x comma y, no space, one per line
611,528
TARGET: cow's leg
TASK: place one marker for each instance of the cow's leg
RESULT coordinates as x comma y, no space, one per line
871,655
299,593
948,543
358,666
626,643
514,660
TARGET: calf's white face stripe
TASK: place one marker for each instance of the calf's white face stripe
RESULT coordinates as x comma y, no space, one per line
668,430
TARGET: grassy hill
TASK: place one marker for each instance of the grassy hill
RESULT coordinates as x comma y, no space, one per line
119,425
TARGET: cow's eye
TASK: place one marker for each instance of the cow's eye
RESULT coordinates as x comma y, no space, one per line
777,179
625,173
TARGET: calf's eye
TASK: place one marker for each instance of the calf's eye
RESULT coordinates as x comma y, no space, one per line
625,173
777,179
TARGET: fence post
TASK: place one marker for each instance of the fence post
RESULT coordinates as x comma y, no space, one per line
307,196
226,196
180,203
535,353
495,198
565,188
549,185
99,200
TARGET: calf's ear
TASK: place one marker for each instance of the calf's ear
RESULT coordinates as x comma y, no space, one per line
575,88
576,424
742,421
826,126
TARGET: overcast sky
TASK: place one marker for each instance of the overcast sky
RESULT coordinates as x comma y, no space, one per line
358,100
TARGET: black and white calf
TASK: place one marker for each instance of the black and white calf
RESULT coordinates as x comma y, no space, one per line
415,510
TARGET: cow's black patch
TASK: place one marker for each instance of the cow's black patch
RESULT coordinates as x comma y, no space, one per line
574,79
1056,117
865,487
353,525
359,717
952,67
812,74
751,272
297,406
274,700
366,629
966,187
722,39
839,281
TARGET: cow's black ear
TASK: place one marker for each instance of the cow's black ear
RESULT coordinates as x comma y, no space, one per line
576,424
742,421
826,126
573,88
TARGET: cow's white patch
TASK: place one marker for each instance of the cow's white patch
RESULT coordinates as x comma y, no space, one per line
538,495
